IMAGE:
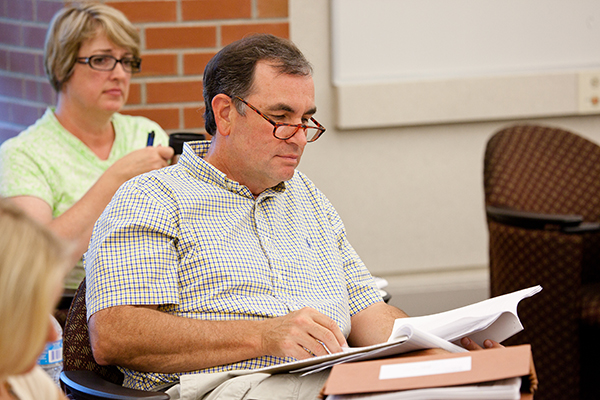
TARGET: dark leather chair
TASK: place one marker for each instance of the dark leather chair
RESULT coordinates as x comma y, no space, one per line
82,378
542,195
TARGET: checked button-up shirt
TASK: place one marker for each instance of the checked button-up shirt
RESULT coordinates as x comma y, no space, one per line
201,246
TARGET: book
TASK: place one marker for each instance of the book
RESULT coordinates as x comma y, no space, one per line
504,389
491,374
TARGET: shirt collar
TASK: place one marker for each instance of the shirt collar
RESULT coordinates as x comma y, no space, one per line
192,159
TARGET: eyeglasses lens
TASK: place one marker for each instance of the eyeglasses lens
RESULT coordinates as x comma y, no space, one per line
285,132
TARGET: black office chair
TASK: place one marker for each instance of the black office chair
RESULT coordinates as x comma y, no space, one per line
82,378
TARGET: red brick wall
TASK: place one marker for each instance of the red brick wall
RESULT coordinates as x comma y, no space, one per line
178,39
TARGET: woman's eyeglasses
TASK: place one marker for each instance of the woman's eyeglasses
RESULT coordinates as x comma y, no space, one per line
108,63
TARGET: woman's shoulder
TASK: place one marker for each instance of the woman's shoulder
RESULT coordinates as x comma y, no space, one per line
40,134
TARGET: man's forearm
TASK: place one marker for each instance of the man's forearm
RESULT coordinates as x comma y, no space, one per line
374,324
145,339
148,340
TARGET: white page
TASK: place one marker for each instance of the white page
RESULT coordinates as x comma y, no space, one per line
409,339
495,319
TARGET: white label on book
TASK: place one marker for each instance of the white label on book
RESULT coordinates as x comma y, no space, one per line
425,368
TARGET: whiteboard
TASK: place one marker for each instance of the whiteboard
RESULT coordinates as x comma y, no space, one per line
415,62
391,40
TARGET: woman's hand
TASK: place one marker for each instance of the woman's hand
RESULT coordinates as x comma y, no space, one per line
140,161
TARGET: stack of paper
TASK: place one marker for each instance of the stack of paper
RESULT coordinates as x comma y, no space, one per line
505,389
487,374
495,319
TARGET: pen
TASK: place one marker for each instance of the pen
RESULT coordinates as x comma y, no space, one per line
150,141
325,347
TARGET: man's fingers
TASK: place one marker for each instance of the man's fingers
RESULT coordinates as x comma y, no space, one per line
302,334
334,339
316,347
468,344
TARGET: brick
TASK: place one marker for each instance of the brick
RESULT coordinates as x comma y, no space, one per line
167,118
23,62
159,64
47,93
3,60
181,37
231,33
135,94
174,92
8,133
46,9
20,10
10,34
34,36
147,11
4,111
194,63
31,90
39,59
25,115
193,117
272,8
215,9
11,87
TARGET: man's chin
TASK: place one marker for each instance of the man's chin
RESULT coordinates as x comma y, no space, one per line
288,174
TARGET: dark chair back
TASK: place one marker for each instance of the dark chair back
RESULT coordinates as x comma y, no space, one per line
77,351
546,171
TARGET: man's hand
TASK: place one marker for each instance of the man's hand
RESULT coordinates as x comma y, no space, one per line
471,345
302,334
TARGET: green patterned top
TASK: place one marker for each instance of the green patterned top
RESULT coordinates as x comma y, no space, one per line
48,162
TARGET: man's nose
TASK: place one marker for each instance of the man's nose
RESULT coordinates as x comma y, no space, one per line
299,138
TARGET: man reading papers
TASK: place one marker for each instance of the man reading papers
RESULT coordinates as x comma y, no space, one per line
232,259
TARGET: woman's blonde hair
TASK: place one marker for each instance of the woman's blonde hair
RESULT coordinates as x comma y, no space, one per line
33,264
74,24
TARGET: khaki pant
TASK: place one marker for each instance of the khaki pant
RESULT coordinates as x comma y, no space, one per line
258,386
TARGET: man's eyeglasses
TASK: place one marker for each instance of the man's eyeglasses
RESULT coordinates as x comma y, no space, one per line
108,63
285,131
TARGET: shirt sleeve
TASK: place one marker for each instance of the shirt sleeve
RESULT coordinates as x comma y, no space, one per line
362,290
132,257
21,175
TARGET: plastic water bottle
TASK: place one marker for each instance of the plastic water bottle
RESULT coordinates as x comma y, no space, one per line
51,359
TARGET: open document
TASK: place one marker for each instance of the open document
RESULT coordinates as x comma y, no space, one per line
495,319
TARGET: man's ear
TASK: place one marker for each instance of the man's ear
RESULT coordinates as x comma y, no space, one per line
222,106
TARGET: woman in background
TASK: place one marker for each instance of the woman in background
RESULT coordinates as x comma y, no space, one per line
64,169
33,263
